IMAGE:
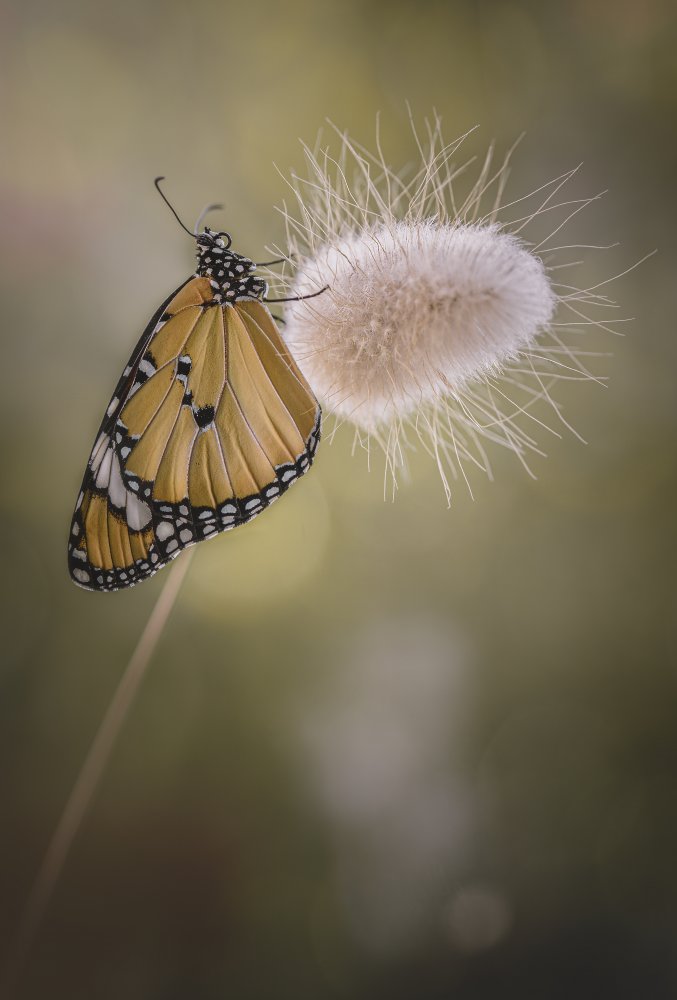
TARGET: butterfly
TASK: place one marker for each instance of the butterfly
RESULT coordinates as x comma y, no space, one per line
210,422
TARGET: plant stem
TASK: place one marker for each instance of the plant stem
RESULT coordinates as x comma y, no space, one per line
89,777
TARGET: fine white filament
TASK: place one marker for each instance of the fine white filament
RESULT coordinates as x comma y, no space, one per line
441,324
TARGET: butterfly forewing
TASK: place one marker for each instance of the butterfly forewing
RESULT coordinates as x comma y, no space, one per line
210,423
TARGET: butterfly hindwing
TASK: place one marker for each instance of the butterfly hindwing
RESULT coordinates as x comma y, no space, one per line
210,422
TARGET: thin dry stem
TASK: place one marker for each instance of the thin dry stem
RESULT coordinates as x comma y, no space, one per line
89,777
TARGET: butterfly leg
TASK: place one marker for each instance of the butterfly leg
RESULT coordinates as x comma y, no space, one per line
280,260
299,298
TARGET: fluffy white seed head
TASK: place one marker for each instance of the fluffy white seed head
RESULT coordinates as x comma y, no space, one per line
441,325
413,311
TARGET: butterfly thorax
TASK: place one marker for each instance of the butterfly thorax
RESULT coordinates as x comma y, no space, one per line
230,274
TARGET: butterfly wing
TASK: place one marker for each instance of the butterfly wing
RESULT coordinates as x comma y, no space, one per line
210,423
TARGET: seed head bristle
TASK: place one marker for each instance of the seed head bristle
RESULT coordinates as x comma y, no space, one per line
441,325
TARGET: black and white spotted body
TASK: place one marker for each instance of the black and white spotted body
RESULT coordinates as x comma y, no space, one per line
230,274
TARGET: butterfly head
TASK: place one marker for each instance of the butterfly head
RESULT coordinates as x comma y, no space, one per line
230,274
212,240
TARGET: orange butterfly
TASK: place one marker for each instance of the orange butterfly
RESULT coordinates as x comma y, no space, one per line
210,422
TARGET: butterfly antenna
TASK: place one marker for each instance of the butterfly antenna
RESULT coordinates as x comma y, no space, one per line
203,213
170,206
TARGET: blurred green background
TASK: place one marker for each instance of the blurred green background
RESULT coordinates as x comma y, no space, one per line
384,750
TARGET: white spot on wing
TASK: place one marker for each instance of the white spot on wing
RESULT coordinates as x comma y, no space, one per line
164,530
116,488
103,472
99,451
138,513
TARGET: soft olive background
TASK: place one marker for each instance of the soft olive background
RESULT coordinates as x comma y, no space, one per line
383,751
